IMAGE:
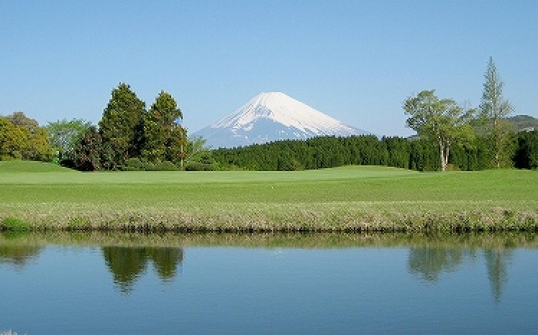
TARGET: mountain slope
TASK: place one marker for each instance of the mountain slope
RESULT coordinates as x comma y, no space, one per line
270,117
523,122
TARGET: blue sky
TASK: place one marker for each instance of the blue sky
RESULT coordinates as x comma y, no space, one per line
356,61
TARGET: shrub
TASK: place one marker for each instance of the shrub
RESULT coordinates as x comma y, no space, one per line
165,166
134,164
195,166
14,224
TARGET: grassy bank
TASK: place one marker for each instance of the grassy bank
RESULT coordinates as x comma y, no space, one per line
342,199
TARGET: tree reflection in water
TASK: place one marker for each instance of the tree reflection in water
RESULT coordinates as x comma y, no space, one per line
128,264
18,255
497,261
430,262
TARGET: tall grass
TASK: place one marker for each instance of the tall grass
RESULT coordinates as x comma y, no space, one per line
342,199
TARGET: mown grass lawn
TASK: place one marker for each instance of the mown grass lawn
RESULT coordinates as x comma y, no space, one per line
348,198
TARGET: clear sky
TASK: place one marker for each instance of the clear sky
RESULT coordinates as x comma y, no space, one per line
354,60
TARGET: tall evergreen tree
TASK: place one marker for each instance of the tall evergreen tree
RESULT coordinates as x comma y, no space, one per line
493,110
160,128
121,125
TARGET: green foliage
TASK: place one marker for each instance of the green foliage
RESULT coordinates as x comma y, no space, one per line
121,127
442,121
88,152
22,138
314,153
197,150
14,224
136,164
127,131
197,166
160,130
165,166
12,140
64,134
494,110
526,156
473,154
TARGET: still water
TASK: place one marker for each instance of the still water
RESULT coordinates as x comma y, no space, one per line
269,285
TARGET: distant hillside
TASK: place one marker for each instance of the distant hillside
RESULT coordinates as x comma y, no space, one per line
524,122
30,166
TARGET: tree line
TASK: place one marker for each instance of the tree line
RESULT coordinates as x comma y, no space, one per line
450,136
415,154
130,136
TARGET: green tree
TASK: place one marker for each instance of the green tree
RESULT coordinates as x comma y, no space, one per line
526,156
439,120
39,146
12,140
19,119
159,128
88,151
22,138
121,126
64,134
494,110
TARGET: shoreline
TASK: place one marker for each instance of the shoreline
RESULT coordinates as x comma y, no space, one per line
470,240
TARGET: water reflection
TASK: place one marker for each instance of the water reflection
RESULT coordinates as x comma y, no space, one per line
497,262
429,257
127,264
18,255
429,262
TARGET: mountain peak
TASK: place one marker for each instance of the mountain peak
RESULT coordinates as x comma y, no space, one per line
272,116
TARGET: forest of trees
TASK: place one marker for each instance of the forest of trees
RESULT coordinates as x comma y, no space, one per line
415,154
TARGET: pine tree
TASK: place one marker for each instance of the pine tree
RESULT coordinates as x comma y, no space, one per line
121,126
160,129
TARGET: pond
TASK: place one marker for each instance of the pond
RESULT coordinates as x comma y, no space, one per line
268,284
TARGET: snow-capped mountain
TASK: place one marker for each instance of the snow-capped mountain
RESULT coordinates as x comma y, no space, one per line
270,117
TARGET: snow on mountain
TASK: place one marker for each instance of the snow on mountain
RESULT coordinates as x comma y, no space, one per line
270,117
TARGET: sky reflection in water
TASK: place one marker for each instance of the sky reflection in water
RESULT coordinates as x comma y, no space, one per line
418,289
